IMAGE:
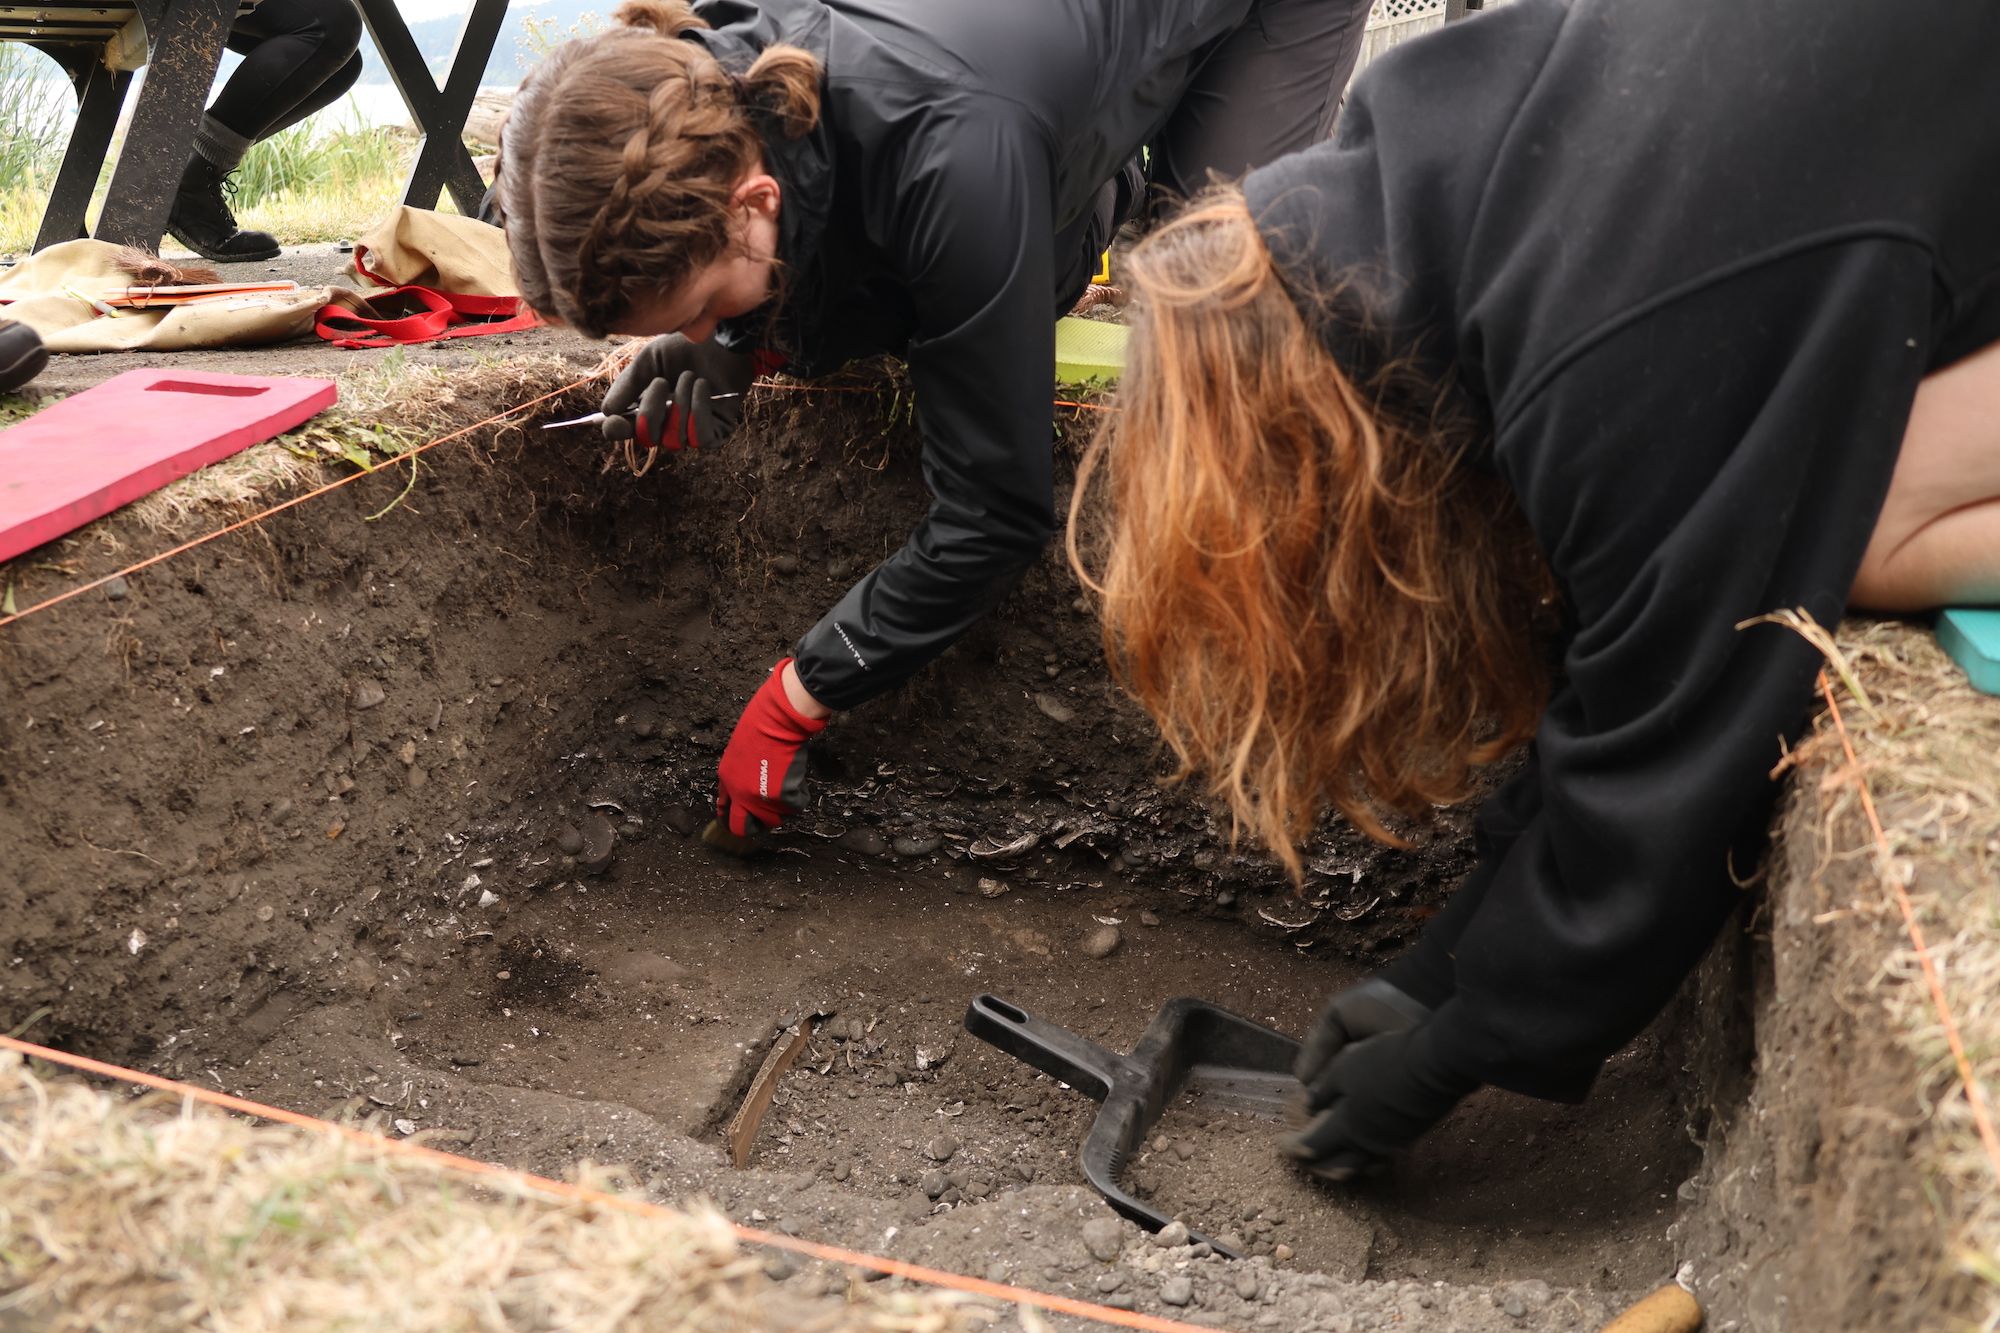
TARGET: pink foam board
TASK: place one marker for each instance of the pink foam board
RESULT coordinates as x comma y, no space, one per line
83,457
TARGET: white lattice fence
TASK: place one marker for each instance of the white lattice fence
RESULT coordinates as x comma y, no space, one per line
1395,21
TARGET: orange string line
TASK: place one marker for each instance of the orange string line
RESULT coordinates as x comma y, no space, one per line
546,1187
1975,1096
280,508
384,465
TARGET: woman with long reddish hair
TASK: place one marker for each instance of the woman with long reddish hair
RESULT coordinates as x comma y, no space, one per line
1600,329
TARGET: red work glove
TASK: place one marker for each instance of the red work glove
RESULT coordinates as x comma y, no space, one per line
762,776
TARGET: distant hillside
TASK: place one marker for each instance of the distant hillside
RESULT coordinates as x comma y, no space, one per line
529,31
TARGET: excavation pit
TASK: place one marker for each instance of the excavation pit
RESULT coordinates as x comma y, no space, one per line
316,814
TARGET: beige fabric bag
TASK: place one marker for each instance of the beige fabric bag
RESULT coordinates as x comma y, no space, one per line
33,292
442,251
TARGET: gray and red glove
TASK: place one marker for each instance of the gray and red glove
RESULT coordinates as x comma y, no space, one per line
678,394
762,776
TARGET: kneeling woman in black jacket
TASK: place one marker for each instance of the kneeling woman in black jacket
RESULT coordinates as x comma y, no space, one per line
817,180
1653,326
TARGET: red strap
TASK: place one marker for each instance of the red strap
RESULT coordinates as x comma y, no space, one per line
440,315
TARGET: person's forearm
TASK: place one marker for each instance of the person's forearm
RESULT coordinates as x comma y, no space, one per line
801,698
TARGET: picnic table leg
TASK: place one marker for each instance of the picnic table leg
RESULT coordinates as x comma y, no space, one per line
186,51
442,161
100,92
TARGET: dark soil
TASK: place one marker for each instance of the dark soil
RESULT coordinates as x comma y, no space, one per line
296,815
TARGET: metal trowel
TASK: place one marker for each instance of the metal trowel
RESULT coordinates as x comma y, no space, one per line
1225,1060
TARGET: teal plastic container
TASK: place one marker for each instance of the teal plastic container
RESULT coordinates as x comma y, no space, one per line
1971,635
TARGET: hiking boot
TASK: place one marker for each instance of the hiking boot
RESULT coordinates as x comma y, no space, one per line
22,355
201,220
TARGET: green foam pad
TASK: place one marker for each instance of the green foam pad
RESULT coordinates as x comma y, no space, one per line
1972,638
1088,349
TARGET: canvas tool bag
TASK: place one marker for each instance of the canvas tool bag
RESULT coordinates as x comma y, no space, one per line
59,293
444,276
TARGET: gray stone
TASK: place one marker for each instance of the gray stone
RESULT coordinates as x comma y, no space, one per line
1109,1282
1171,1236
1055,709
866,841
934,1184
600,838
117,590
1246,1283
568,840
1103,942
1176,1291
1104,1237
1533,1292
916,844
366,694
941,1148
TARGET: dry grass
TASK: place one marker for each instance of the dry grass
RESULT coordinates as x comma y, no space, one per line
154,1215
382,412
1930,751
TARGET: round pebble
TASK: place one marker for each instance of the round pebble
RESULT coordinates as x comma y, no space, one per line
1103,942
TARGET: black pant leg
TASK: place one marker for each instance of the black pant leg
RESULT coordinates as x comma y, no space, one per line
298,56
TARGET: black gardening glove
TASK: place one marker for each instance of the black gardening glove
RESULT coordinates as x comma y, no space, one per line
678,394
1372,1082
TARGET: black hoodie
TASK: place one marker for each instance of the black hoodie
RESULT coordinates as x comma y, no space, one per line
1687,262
957,139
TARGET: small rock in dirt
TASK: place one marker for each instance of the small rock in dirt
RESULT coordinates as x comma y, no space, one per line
1282,1253
1110,1281
599,838
117,590
1025,1170
487,898
997,1271
933,1184
1183,1149
1120,1300
1161,1143
1103,942
865,841
1231,1241
1149,918
1534,1293
407,752
406,1127
1225,897
1246,1283
1055,709
569,841
842,1170
366,694
778,1266
941,1148
1176,1291
992,888
916,844
1514,1306
1171,1236
281,811
266,912
643,728
1104,1237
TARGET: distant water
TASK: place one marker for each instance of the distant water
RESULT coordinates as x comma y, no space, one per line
365,105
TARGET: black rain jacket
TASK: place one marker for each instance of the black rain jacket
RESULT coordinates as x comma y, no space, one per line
1689,262
957,138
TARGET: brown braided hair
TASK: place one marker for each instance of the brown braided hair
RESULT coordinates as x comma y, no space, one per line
620,155
1315,598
